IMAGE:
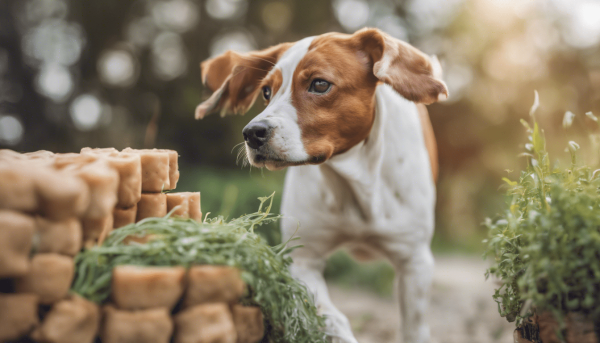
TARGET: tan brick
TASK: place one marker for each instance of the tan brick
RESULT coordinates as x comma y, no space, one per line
173,168
16,234
96,230
73,320
152,205
129,167
249,323
17,187
103,182
11,155
124,216
60,237
135,287
99,151
187,203
212,284
194,204
62,194
18,315
155,169
40,154
73,159
179,200
49,277
209,323
144,326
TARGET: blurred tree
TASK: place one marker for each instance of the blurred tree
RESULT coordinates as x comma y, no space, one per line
77,73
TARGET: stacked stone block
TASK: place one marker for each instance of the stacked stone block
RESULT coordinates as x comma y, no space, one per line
164,304
52,205
42,210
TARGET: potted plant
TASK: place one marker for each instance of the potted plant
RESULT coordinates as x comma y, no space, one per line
546,247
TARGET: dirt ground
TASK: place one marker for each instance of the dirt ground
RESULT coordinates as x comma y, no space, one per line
461,308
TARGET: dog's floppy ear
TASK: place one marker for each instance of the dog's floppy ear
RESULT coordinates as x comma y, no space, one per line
414,75
234,79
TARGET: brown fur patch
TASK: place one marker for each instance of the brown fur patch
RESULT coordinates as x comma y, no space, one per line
334,122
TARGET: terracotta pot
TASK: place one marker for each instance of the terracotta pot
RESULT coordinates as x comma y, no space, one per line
542,328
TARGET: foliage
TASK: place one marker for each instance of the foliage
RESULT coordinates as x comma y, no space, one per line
474,129
547,243
287,305
233,192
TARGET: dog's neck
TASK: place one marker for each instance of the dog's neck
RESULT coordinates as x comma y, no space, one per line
392,160
359,168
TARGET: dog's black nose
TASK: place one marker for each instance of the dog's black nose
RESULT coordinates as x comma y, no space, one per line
256,134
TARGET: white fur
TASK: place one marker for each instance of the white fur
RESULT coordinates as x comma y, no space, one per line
379,195
286,140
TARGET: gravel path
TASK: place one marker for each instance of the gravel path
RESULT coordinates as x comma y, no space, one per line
461,307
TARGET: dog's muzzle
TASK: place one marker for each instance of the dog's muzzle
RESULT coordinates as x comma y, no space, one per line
257,134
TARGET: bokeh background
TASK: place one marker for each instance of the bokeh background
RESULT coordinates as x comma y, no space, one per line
77,73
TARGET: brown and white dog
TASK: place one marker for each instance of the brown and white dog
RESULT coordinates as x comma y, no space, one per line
345,111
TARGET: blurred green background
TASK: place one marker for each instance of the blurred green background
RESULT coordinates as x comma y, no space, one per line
76,73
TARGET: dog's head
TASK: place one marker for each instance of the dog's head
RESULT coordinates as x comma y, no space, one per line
319,92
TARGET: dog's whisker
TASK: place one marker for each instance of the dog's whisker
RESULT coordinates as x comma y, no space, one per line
242,155
245,160
239,153
239,158
236,146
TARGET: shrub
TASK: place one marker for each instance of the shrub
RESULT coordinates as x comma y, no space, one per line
547,243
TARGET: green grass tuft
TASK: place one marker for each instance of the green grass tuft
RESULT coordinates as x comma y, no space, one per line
288,307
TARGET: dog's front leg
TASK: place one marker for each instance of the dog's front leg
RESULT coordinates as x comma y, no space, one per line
414,278
310,272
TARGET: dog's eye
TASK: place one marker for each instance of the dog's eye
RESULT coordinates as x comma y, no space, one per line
266,92
319,86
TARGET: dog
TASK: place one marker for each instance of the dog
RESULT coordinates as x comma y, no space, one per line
346,112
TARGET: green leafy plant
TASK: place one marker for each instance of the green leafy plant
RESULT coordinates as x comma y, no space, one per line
546,245
288,307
